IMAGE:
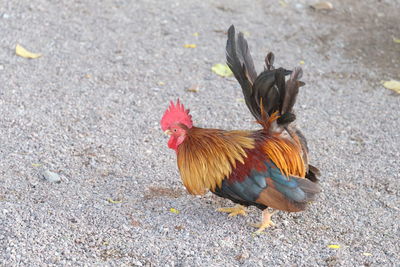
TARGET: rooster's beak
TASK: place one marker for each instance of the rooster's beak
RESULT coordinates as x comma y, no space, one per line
168,132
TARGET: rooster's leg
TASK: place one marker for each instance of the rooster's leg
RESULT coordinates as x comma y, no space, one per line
236,210
265,222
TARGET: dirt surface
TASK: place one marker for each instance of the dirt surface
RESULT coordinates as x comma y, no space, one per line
89,110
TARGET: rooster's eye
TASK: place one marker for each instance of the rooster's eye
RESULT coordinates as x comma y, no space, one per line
174,130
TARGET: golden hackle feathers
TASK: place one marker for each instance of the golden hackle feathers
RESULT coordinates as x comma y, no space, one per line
286,155
209,155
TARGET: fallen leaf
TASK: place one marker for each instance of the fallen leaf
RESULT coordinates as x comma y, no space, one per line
392,85
161,83
283,3
189,46
174,210
22,52
396,40
367,254
323,5
193,89
36,164
222,70
179,227
196,34
246,34
334,246
112,201
301,62
240,100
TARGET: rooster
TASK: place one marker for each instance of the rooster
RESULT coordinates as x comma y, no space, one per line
263,168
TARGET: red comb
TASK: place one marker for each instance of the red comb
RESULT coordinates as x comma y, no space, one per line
176,113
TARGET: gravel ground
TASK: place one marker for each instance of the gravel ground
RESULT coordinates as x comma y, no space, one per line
89,110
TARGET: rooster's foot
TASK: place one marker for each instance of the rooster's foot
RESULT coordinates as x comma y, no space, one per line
265,223
233,211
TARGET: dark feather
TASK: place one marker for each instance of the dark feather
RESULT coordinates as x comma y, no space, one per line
245,57
313,173
286,118
269,61
269,88
292,89
241,63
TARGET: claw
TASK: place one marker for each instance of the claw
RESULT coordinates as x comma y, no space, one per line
234,211
265,223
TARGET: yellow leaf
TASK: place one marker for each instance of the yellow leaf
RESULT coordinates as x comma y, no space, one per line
222,70
196,34
323,5
240,100
161,83
334,246
36,164
396,40
367,254
112,201
193,89
22,52
246,34
302,62
392,85
189,46
283,3
174,210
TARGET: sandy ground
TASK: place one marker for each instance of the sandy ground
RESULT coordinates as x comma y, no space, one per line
89,110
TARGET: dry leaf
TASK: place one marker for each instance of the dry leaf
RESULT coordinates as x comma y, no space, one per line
22,52
396,40
189,46
334,246
222,70
112,201
323,5
367,254
36,164
240,100
196,34
193,89
301,62
179,227
174,210
161,83
392,85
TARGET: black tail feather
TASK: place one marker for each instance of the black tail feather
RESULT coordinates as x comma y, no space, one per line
269,88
